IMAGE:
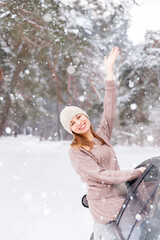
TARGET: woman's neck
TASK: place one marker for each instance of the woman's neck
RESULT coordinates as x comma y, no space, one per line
89,136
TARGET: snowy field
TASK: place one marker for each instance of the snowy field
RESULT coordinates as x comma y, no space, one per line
40,193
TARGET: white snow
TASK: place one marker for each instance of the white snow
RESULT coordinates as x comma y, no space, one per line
71,69
27,71
150,138
82,98
47,17
138,217
5,14
41,193
141,20
133,106
8,130
131,84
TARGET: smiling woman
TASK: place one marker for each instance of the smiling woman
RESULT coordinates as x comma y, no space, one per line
83,133
80,124
93,157
80,127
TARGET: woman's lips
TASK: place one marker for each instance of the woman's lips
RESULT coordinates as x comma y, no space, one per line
82,126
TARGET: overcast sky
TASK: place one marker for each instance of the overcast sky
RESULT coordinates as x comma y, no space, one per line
146,16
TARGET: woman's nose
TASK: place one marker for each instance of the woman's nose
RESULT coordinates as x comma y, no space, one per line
78,122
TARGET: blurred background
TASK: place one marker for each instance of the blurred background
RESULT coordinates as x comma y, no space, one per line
51,55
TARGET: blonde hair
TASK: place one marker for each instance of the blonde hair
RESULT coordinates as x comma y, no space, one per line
80,141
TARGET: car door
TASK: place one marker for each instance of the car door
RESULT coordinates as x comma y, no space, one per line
140,216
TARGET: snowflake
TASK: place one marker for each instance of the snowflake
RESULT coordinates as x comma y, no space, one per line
133,106
71,69
138,217
8,130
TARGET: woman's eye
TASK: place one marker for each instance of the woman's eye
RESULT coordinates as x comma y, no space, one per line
79,116
72,124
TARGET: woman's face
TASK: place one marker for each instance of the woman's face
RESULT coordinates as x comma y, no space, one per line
80,124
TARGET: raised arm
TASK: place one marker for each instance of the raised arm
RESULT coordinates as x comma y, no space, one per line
108,117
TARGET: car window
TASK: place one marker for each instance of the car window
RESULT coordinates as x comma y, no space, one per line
140,206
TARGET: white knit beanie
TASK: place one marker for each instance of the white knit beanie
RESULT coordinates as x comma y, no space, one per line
67,114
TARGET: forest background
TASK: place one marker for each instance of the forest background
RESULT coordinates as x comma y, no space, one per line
51,55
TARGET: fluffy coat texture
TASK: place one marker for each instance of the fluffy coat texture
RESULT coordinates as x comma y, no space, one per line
99,169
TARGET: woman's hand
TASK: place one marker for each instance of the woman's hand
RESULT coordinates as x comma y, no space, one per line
109,62
142,169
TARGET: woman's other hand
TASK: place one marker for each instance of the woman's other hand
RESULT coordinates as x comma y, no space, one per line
142,169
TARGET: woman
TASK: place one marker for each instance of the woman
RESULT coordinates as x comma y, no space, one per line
93,157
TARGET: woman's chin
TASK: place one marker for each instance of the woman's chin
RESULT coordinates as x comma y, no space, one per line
84,132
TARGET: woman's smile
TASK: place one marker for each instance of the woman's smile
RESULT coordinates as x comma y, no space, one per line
82,127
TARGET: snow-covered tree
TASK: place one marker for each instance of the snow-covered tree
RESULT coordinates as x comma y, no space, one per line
140,89
53,56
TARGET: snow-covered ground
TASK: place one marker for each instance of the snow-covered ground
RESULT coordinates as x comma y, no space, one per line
40,193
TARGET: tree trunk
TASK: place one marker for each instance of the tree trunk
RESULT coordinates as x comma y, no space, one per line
5,115
58,122
14,80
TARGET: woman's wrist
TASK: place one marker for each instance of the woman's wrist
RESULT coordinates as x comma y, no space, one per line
110,74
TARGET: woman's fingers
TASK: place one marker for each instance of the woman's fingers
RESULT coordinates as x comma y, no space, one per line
114,52
109,62
142,169
117,53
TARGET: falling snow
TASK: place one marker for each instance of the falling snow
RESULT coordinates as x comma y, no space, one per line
150,138
8,130
138,217
131,84
82,98
71,69
47,17
27,71
133,106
